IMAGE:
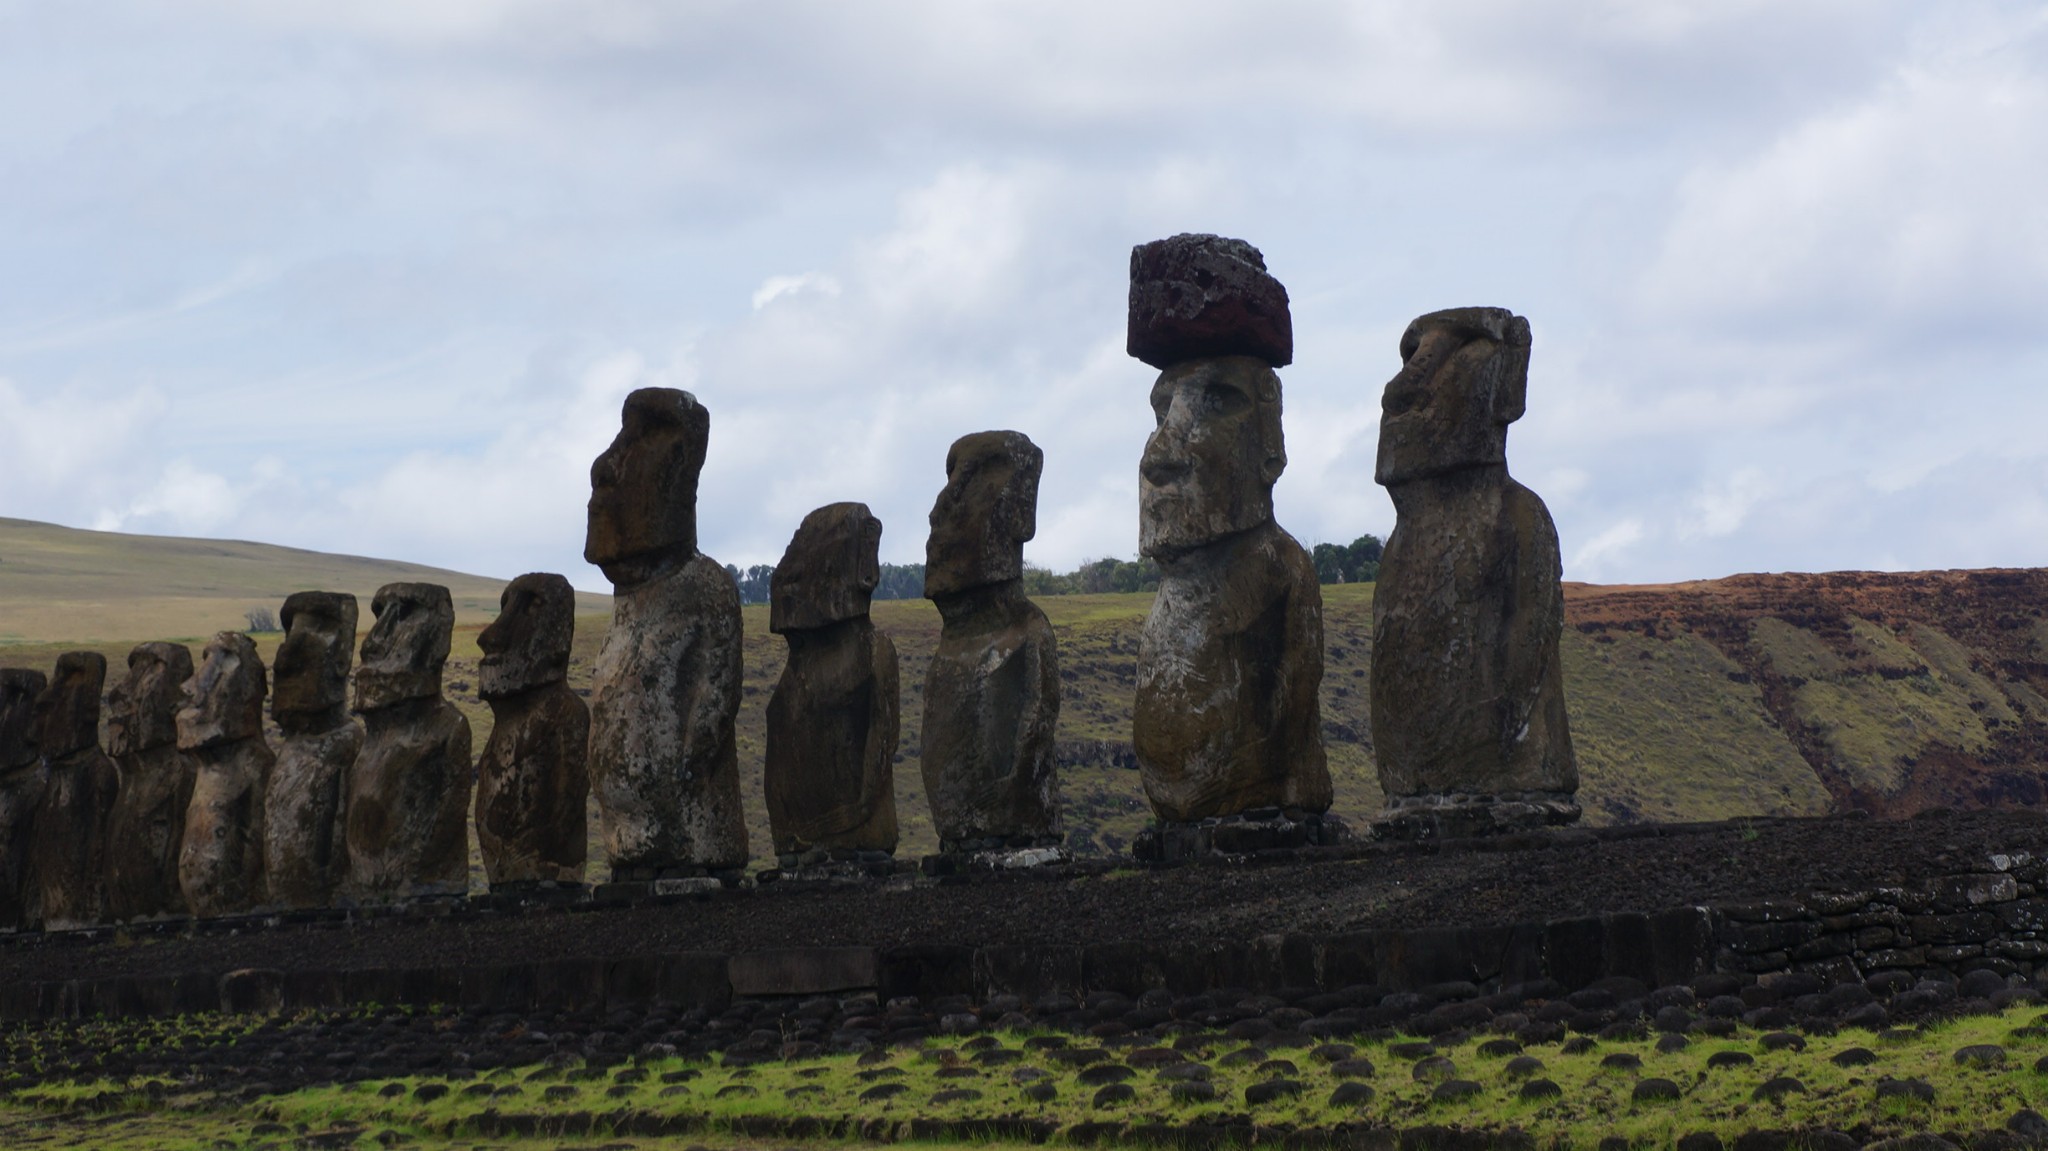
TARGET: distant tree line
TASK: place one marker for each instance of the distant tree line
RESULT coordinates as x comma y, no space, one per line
1356,562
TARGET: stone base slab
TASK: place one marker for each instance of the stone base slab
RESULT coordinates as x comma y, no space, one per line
947,863
1419,817
1262,829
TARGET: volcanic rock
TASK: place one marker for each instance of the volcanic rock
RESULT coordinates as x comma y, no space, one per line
67,851
531,780
832,718
147,826
305,834
408,794
220,861
992,692
1196,296
22,781
663,754
1469,727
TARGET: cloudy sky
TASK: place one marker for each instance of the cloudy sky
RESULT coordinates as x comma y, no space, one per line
373,277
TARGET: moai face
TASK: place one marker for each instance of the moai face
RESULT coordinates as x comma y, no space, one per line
988,509
224,698
527,646
829,571
67,713
19,688
1464,378
142,709
313,662
1209,467
407,646
643,489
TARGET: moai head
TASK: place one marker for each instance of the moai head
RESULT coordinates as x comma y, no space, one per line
829,571
1204,310
527,646
142,709
313,662
643,489
224,698
67,713
19,688
1464,378
406,647
988,509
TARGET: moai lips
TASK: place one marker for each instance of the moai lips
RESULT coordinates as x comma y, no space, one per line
832,719
147,826
68,841
22,781
1227,716
664,758
991,697
305,851
531,780
1478,743
220,861
408,793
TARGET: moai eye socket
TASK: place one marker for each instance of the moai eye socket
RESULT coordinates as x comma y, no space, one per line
1225,400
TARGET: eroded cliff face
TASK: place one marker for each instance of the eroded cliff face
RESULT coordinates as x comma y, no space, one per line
1896,691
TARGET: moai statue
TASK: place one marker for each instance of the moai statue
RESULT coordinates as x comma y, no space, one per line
305,838
832,719
147,827
22,781
220,862
1227,720
531,783
408,793
992,692
1467,697
68,846
664,760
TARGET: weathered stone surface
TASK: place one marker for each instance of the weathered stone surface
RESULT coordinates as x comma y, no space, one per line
1227,716
220,861
67,852
992,691
1198,296
22,781
305,852
147,826
408,793
531,780
833,718
1467,693
664,760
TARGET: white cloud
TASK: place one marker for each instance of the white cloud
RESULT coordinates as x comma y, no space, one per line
776,287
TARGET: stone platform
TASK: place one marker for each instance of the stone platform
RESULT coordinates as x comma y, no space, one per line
1423,817
1267,829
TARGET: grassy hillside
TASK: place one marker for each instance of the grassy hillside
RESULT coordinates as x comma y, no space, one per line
1753,695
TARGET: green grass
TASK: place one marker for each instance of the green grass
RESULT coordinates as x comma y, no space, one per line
1596,1100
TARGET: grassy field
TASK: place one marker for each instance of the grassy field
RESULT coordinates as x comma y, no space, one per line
1958,1077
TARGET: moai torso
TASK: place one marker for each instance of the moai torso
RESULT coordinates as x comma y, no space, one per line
147,826
68,844
832,719
1467,691
220,861
1227,715
305,836
531,780
21,791
408,793
992,690
665,695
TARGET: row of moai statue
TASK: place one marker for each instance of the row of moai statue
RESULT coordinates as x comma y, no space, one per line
189,809
194,810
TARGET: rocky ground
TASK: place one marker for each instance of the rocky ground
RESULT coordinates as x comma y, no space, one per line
1551,876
